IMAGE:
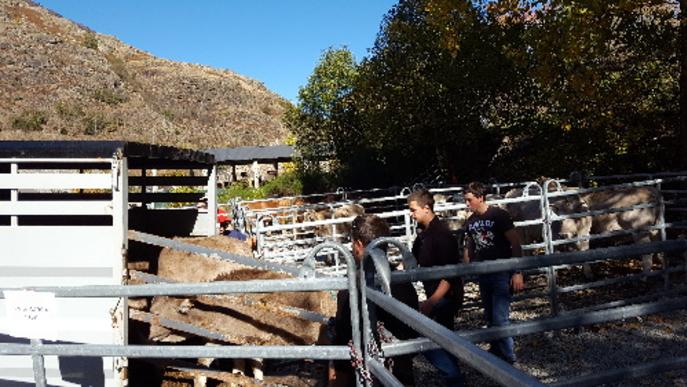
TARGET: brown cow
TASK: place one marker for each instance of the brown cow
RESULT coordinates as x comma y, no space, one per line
562,229
627,220
593,225
342,230
256,319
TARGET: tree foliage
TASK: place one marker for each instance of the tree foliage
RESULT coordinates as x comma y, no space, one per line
506,88
605,77
311,119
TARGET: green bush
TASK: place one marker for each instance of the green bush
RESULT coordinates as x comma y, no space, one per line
90,41
183,189
239,189
315,180
118,66
30,120
109,96
68,111
286,184
95,123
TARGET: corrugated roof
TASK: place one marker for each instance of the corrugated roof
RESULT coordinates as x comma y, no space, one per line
248,154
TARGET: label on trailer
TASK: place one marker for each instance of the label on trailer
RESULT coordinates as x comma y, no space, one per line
31,314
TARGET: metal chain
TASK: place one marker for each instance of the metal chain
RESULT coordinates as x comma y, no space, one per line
358,365
385,339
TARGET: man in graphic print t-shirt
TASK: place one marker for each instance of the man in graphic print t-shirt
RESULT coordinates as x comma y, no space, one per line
491,235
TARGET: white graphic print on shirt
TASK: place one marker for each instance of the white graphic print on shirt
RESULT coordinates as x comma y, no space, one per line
482,234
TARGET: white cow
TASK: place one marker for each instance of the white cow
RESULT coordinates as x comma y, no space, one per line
637,219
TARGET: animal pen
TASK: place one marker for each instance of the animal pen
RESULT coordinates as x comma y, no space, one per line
79,222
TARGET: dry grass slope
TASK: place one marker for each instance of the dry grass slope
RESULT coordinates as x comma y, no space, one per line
60,80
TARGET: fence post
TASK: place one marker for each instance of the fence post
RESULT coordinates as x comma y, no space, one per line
353,295
259,237
409,229
211,194
38,365
378,266
14,195
665,260
549,249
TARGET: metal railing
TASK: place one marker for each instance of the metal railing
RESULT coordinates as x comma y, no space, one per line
307,281
460,343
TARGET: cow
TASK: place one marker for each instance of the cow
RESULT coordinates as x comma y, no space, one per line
584,226
254,319
636,219
561,229
339,231
454,219
251,212
567,228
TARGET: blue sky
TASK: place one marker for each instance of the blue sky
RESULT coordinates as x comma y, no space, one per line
277,42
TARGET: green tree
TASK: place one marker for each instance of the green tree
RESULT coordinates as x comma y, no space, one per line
420,100
683,84
312,120
606,86
505,88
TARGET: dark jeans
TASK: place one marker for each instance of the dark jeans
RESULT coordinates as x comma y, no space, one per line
447,364
495,292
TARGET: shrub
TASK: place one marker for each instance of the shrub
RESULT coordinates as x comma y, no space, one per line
95,123
286,184
68,111
30,120
118,66
183,189
90,40
169,115
109,96
240,189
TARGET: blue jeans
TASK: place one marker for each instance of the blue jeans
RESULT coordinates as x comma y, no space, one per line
442,360
495,292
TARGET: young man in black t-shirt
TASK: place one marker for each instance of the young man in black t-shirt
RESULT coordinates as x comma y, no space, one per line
491,235
435,245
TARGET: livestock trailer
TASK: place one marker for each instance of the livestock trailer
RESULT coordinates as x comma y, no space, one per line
65,210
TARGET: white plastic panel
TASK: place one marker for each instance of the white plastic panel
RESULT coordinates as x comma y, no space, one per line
56,181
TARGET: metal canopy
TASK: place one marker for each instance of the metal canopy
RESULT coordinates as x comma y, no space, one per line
249,154
105,149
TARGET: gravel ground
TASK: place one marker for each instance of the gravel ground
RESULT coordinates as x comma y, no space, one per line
571,353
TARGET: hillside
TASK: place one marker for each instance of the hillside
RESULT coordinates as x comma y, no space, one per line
59,80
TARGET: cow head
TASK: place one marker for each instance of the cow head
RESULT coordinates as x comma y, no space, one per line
569,228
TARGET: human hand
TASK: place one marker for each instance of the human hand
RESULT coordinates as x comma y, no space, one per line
517,282
426,307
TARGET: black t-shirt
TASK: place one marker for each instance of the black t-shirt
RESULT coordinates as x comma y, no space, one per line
436,246
487,234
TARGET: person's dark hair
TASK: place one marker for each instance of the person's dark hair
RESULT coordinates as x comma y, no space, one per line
366,228
476,188
423,198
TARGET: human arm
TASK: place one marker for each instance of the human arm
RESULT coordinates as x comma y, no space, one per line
514,240
338,377
469,249
517,282
331,373
442,290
